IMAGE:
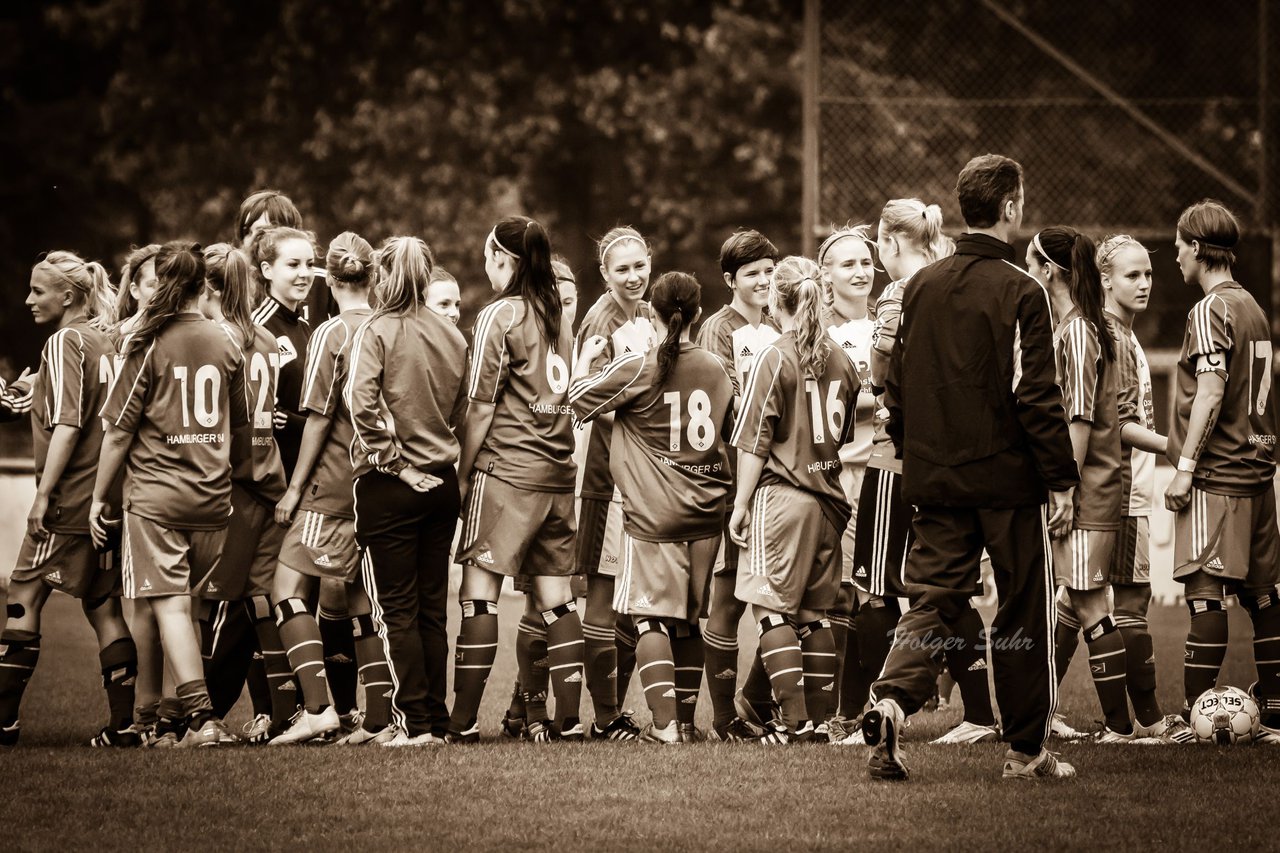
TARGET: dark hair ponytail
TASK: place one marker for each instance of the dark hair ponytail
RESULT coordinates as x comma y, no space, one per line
534,281
179,277
676,298
1075,254
226,271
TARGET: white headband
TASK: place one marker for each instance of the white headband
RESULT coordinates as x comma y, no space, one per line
1035,241
607,246
493,238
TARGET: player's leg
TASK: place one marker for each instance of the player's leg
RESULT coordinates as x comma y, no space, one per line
818,652
1066,637
118,658
375,671
477,648
687,649
146,639
529,699
1261,598
299,634
1198,532
20,641
882,540
277,667
435,544
720,639
339,645
840,617
966,656
549,562
599,621
658,677
1131,604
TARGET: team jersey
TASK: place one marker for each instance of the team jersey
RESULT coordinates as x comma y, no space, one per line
291,332
1239,457
181,395
328,490
798,424
669,461
406,391
530,441
1138,467
624,335
75,372
853,337
256,458
888,315
1089,394
731,337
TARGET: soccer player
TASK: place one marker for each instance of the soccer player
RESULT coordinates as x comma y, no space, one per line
137,283
318,508
789,511
517,452
179,394
1125,268
443,295
976,415
75,298
1063,261
406,393
671,408
1222,442
736,334
623,318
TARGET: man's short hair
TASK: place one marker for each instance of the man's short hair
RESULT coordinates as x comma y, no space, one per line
985,183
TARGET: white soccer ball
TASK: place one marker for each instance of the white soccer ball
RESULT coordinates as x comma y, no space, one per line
1224,716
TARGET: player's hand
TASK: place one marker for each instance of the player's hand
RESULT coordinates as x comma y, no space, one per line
419,481
287,505
1178,495
25,377
591,349
464,490
279,419
98,523
1061,512
739,525
35,519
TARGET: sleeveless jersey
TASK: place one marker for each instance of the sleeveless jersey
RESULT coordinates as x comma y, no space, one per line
256,458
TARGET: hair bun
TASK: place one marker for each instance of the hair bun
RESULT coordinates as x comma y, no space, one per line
350,267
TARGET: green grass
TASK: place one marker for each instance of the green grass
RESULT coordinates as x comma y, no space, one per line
510,796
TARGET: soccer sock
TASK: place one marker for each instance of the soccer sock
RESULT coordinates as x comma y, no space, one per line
300,636
284,692
256,680
877,618
169,715
339,657
687,652
1206,647
564,659
529,699
624,633
855,689
228,646
19,653
967,661
375,674
720,656
1140,666
782,658
147,715
119,662
818,653
841,623
1107,663
600,652
1065,638
657,671
196,707
757,690
1264,611
476,649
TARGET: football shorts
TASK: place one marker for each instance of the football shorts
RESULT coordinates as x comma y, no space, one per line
1222,540
321,546
665,579
883,523
69,562
512,531
852,478
158,561
1131,559
792,559
1082,559
727,557
599,540
248,564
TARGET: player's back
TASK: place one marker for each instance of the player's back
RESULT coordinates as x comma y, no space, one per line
256,458
328,353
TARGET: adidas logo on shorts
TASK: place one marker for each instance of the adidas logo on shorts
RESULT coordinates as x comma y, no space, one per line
644,601
213,588
54,577
146,585
727,675
978,665
1097,577
486,557
323,560
575,678
765,590
861,572
1215,563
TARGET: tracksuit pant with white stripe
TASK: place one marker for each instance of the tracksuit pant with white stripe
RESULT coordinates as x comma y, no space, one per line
942,571
405,537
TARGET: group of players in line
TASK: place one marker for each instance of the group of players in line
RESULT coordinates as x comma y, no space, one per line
261,491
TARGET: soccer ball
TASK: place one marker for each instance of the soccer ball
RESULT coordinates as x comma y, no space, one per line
1224,715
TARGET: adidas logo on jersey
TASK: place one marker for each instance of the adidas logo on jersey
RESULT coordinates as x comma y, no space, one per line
644,601
486,557
727,675
576,678
978,665
323,560
847,345
765,589
54,577
746,353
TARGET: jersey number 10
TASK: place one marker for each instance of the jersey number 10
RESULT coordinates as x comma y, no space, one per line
208,383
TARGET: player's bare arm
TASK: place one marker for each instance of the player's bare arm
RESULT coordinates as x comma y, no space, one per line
115,448
314,436
1211,385
61,445
750,467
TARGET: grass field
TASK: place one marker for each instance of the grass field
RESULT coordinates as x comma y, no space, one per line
510,796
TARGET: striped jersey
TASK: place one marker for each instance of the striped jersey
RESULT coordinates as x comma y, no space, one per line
607,319
1239,457
1089,394
76,367
888,317
853,337
291,332
255,456
328,489
669,460
181,395
406,391
798,424
1138,467
731,337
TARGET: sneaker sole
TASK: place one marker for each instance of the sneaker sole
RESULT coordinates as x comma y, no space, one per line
883,763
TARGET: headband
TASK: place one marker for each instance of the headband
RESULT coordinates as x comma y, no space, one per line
493,238
604,253
1035,241
1118,242
45,262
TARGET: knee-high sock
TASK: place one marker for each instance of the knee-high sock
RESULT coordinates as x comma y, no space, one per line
19,654
304,649
783,660
375,674
564,659
529,700
600,650
757,689
625,637
284,691
228,645
855,689
476,649
841,623
339,657
1107,663
876,621
687,652
197,709
119,662
1206,647
967,660
1066,638
1140,666
657,671
1264,610
720,658
817,647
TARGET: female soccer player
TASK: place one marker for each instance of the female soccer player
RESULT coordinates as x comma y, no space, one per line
567,284
443,295
671,407
623,318
170,413
137,283
75,298
1125,268
1062,260
736,333
517,452
790,511
406,393
318,508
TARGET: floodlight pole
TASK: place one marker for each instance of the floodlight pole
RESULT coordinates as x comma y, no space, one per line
810,92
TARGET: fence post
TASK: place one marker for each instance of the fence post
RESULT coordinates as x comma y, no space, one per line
812,73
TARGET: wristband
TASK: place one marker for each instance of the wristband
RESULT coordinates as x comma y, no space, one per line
1186,465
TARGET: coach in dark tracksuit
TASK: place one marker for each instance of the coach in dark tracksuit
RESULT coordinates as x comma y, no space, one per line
976,414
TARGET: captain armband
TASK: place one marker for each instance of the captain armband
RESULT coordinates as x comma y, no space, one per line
1214,362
